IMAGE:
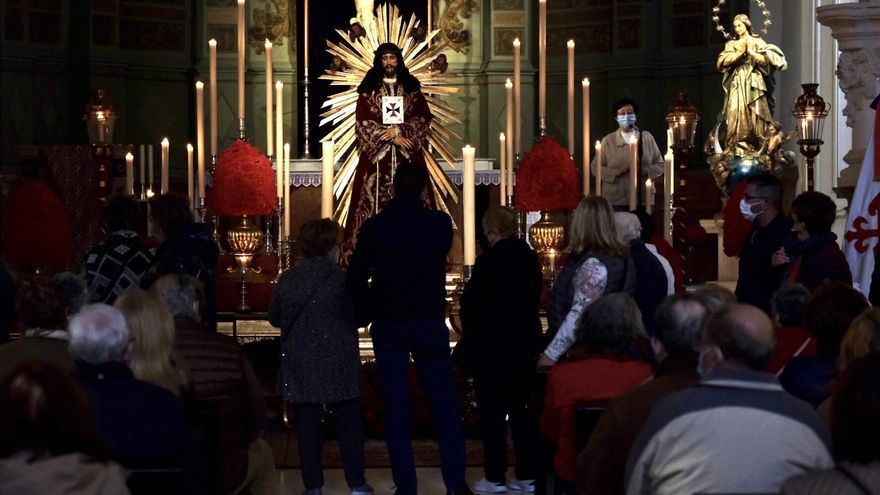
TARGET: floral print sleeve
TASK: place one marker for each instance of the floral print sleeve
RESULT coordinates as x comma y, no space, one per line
589,283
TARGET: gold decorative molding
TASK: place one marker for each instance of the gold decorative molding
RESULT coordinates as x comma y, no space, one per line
451,25
266,24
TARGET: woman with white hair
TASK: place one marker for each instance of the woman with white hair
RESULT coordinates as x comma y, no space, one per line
142,424
652,285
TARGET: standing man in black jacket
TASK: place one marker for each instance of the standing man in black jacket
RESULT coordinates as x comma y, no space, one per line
403,249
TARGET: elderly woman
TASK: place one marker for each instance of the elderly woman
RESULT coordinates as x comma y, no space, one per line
605,370
598,263
652,286
502,333
320,364
748,63
811,251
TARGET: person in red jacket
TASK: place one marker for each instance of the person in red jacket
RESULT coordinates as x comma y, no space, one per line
787,307
606,369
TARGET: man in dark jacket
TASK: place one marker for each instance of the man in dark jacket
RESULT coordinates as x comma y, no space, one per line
761,205
601,466
403,249
228,398
502,341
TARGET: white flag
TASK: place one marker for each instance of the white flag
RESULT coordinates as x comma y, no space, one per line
862,231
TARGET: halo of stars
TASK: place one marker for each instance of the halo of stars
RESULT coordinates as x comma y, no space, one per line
718,27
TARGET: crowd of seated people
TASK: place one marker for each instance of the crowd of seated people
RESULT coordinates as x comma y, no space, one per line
692,391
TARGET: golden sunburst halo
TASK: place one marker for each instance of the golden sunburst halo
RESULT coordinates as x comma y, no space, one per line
340,107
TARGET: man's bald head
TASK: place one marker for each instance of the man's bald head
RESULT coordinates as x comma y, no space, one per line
743,333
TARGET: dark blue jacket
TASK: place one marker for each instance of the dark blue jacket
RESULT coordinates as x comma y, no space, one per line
403,248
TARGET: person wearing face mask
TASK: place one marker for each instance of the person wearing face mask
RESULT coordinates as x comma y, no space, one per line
810,254
737,431
615,156
320,363
761,206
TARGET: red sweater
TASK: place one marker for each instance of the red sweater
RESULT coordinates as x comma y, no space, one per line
571,384
790,342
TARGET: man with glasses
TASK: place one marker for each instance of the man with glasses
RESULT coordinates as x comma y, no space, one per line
616,156
761,206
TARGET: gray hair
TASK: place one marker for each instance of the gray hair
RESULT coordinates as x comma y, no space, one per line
678,321
743,333
179,293
628,225
98,334
74,288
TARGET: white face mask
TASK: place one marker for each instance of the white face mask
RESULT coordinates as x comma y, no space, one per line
746,209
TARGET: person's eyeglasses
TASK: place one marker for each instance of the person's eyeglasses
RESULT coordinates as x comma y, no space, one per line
626,113
749,197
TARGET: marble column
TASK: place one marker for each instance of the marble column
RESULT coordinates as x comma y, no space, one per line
856,27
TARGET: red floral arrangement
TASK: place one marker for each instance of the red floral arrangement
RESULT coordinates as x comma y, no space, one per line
244,182
36,229
547,179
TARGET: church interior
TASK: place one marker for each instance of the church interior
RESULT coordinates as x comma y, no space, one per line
251,110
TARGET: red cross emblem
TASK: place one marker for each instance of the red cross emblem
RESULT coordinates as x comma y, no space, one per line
392,109
861,235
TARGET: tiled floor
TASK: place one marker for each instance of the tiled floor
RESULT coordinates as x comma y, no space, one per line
430,481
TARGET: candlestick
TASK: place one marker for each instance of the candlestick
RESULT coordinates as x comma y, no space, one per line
669,139
200,137
542,60
212,50
241,52
279,129
189,176
668,194
269,149
328,161
502,151
585,84
598,168
467,193
287,191
430,16
649,195
164,157
508,153
570,46
633,175
129,174
143,165
517,101
150,165
682,129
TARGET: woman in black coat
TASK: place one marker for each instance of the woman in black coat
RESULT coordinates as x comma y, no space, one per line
502,337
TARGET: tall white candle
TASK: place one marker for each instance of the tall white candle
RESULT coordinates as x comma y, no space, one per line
633,175
516,139
241,51
143,165
649,195
212,49
467,194
164,187
508,152
570,46
279,147
328,160
150,165
129,174
269,145
287,191
542,58
306,36
189,176
668,191
585,84
200,137
502,151
599,158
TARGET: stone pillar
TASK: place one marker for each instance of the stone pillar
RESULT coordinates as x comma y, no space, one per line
856,27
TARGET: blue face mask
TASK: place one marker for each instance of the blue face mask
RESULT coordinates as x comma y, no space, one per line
626,121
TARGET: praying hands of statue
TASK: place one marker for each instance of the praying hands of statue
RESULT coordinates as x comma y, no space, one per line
393,134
